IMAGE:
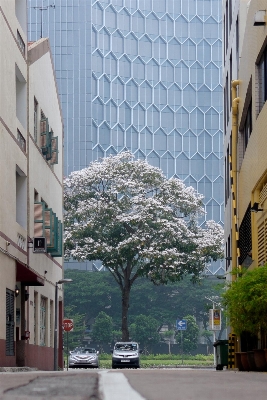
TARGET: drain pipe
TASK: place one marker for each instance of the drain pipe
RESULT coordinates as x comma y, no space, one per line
235,234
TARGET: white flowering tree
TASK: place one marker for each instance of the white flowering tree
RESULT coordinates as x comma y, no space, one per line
125,213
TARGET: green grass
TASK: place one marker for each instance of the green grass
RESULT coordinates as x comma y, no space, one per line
164,360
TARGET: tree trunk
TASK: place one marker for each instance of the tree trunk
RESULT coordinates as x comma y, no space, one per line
125,306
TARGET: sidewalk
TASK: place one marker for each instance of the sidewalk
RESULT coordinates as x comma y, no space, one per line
49,385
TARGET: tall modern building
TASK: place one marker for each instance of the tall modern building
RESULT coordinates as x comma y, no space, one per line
143,75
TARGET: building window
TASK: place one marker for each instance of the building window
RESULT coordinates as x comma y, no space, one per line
262,243
224,46
35,317
227,24
230,13
237,45
43,321
10,324
247,126
21,141
51,323
21,43
245,238
21,198
228,252
227,177
231,78
262,79
21,97
226,102
49,142
35,119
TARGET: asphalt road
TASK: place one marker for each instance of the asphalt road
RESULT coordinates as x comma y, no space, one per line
146,384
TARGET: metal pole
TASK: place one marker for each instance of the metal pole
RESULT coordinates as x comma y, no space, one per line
56,330
67,350
214,337
182,347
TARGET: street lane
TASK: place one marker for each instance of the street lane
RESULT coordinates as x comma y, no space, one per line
127,384
198,384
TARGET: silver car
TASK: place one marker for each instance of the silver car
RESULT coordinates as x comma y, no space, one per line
126,354
84,358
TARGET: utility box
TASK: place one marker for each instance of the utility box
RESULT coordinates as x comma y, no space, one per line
221,353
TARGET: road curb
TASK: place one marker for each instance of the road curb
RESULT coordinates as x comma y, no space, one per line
17,369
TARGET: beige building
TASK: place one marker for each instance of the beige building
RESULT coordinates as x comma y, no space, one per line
245,95
31,134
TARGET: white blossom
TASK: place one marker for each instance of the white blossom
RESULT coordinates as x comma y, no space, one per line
125,213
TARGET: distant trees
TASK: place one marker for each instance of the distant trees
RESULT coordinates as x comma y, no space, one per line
92,292
75,337
102,328
188,339
145,330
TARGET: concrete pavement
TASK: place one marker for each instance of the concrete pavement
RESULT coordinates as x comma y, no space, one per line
143,384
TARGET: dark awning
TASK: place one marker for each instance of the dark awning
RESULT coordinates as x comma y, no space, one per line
27,276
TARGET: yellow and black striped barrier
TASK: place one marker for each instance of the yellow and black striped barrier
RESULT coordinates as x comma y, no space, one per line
232,348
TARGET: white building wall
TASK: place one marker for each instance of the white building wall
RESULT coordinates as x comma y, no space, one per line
26,73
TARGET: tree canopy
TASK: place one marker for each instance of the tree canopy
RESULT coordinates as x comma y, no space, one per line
125,213
102,328
246,301
145,330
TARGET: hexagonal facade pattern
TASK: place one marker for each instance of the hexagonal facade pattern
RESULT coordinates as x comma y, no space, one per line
143,75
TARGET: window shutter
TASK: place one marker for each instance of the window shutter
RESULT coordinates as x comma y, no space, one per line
59,251
10,324
54,150
54,234
44,127
49,146
48,216
39,219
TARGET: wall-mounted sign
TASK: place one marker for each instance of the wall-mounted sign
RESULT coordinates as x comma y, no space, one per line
215,319
39,244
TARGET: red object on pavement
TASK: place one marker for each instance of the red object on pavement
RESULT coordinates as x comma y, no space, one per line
68,325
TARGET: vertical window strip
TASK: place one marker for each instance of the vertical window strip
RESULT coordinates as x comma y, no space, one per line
51,323
35,120
43,321
10,324
35,305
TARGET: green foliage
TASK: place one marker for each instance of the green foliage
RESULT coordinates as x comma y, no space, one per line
145,330
116,335
75,337
92,292
102,331
168,334
197,357
246,301
164,360
190,335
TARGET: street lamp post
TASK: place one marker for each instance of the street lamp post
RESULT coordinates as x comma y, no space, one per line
212,299
56,322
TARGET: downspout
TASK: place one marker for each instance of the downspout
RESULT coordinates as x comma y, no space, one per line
235,234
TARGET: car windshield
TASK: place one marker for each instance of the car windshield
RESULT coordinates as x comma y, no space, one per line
85,351
126,346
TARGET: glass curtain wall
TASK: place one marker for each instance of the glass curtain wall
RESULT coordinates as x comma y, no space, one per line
143,75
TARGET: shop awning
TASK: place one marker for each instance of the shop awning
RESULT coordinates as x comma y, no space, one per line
27,276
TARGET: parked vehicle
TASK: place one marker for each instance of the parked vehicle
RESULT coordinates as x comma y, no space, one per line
126,354
84,358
